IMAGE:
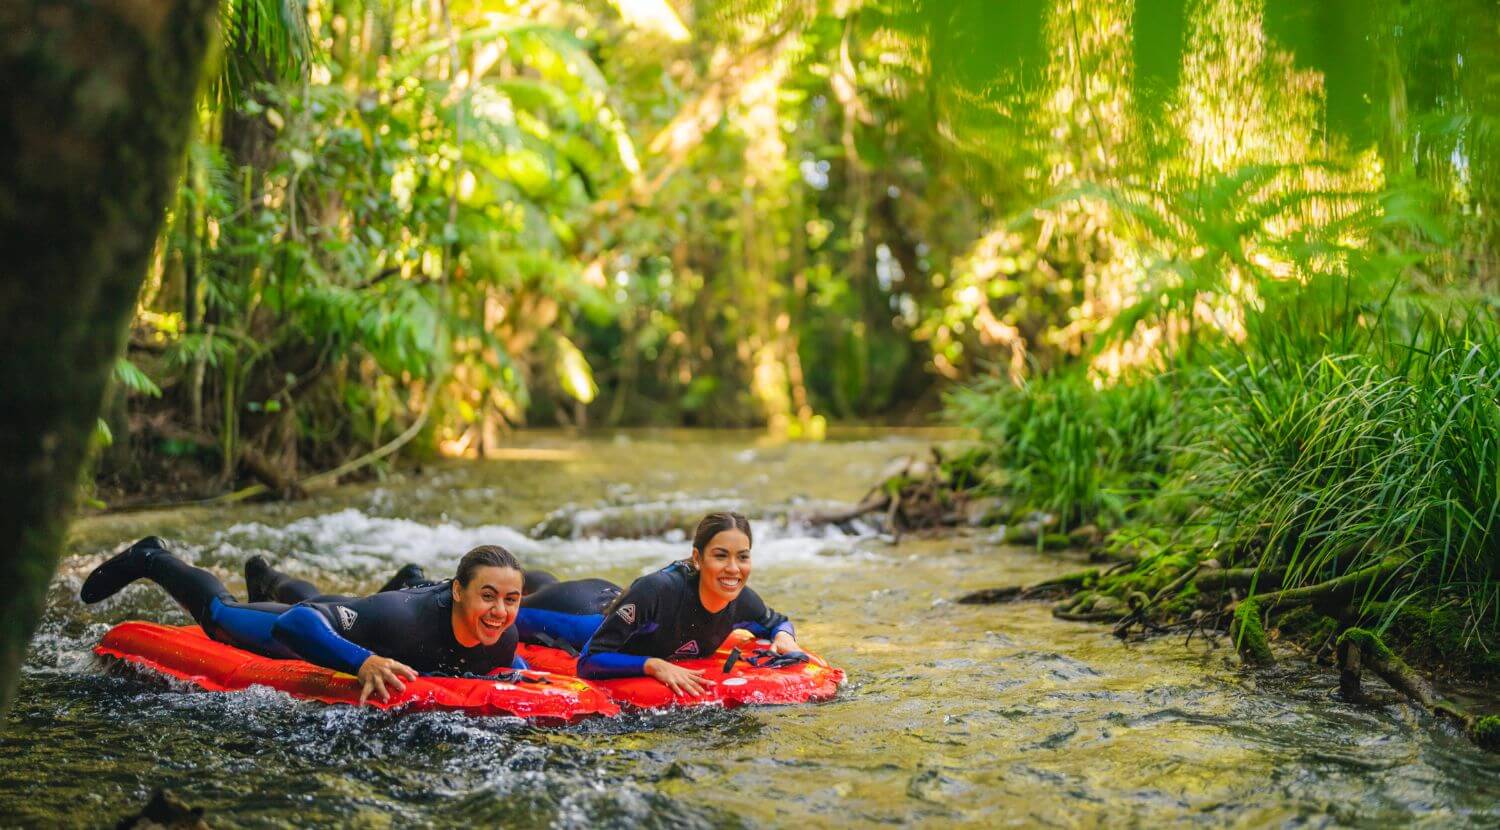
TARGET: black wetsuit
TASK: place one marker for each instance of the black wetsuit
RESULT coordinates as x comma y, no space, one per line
413,625
662,616
565,614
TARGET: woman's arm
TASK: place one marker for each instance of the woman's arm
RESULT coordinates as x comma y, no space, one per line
305,630
633,613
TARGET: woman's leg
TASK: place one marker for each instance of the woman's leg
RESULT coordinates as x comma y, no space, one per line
409,576
565,614
199,592
266,584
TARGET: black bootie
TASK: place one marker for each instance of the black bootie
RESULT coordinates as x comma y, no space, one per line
408,576
120,570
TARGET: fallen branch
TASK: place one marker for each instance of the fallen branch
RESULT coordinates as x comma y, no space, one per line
1219,579
1342,587
876,500
332,476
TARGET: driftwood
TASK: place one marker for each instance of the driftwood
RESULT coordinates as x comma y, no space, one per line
872,502
912,494
1336,591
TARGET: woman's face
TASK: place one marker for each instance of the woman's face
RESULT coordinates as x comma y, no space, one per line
484,608
724,565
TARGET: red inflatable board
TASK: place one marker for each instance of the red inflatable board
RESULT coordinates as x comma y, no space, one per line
743,684
188,654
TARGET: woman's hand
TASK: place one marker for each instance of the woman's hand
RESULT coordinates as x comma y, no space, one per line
383,676
784,643
787,644
680,680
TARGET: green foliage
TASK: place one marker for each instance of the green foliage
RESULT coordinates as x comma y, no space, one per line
1326,461
1081,453
1486,732
129,376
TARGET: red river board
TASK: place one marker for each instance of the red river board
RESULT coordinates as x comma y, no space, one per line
188,654
743,684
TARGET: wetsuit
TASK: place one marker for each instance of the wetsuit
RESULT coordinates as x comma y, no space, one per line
565,614
413,625
662,616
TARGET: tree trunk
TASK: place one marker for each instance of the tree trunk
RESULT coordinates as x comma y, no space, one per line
96,99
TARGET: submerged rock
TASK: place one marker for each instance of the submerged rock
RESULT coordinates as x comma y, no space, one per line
166,811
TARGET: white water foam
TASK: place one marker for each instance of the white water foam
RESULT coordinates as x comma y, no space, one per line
351,540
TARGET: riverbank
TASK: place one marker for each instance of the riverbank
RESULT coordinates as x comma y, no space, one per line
1337,490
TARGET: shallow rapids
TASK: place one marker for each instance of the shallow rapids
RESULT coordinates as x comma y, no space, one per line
954,714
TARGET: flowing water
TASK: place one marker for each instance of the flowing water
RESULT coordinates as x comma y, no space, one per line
953,714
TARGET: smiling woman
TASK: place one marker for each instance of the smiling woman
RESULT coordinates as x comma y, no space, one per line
458,627
685,611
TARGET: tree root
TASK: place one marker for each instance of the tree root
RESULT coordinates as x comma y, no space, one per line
1141,605
1087,616
1364,648
1249,634
1049,589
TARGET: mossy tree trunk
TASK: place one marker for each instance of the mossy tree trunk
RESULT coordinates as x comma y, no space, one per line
96,103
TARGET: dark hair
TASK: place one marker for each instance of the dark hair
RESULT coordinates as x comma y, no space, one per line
715,523
484,556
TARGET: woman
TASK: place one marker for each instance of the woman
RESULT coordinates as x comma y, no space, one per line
682,611
458,626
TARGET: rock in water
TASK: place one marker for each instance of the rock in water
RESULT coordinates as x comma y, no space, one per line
165,811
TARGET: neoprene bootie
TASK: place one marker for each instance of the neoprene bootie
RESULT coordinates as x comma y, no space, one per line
257,584
120,570
408,576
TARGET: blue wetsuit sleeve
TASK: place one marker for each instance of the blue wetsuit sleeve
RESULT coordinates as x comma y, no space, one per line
537,625
518,663
608,664
308,633
634,613
760,620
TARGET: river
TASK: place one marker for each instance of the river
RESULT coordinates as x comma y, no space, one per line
964,715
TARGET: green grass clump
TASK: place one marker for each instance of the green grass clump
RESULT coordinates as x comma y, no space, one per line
1082,453
1486,732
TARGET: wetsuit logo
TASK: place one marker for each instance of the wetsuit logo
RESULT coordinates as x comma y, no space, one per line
627,613
347,616
687,649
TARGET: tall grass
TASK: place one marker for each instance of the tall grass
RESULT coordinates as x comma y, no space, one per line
1312,450
1329,461
1080,453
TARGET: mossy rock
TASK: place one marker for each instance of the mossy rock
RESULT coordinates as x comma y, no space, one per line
1106,604
1055,541
1486,732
